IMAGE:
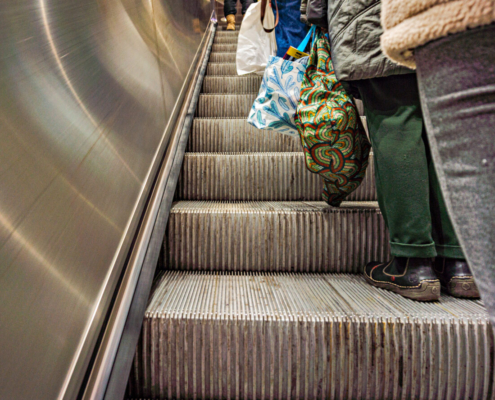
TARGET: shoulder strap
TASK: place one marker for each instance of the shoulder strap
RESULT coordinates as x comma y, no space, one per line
304,43
263,9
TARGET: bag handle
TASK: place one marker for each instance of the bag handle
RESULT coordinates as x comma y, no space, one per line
306,40
263,9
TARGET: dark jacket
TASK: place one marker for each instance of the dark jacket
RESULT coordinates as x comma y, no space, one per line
354,29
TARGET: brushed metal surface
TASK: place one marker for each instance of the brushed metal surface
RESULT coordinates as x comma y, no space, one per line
223,58
222,105
274,236
307,336
224,135
218,69
258,177
225,47
232,84
87,89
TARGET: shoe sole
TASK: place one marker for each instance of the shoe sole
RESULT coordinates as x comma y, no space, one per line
463,287
425,291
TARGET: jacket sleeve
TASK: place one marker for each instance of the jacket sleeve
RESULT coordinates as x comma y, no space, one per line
303,9
317,13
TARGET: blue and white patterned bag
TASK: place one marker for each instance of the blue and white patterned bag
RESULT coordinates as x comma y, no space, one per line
275,106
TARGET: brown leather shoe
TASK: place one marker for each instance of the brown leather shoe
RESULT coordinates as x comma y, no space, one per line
231,22
456,277
410,277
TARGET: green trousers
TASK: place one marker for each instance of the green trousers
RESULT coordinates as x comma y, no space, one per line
407,187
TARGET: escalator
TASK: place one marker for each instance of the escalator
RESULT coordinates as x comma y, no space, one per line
260,294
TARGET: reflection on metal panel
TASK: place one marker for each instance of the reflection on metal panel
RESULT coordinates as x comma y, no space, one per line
87,89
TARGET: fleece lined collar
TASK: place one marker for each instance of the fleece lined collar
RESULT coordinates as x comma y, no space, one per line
408,24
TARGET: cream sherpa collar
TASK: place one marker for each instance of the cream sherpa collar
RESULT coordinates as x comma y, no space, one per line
408,24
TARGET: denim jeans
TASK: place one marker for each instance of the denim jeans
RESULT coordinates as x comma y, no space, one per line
230,6
456,77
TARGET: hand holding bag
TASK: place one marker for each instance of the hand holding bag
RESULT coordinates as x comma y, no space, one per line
275,107
256,44
334,140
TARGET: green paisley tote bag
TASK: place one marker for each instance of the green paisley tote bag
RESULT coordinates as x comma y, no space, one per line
333,137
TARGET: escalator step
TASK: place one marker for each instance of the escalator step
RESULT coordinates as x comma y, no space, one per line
223,135
232,84
224,33
274,236
257,177
225,105
307,336
226,39
224,48
222,58
218,69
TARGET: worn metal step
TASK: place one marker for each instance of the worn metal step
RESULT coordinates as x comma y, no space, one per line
225,105
221,69
223,135
307,336
232,84
257,177
226,39
224,48
222,27
225,33
274,236
222,57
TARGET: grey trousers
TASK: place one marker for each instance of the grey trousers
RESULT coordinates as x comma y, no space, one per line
456,77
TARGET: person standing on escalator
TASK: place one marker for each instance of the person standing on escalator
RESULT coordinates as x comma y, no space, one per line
426,252
230,10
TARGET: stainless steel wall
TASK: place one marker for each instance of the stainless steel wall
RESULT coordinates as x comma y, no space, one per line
87,90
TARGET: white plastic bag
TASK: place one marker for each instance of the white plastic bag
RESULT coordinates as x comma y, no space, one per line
255,46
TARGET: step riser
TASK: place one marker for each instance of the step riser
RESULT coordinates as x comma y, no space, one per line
227,337
225,106
257,177
217,69
224,48
224,33
232,84
222,58
237,135
335,240
226,39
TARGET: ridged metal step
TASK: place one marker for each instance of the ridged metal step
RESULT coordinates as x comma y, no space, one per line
222,58
224,48
257,177
307,336
226,39
232,84
225,33
222,27
230,135
225,105
274,236
219,69
222,135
